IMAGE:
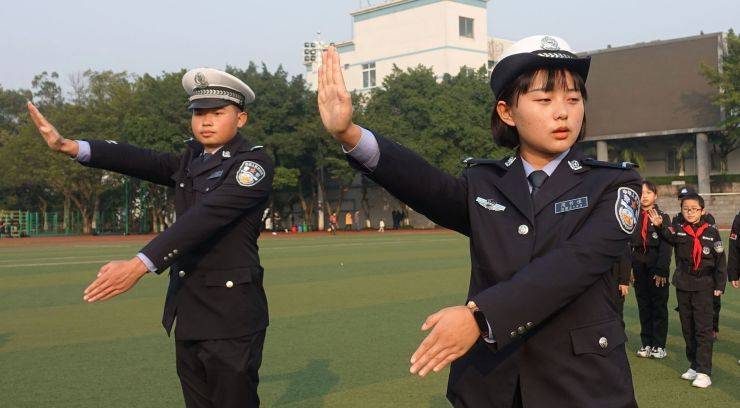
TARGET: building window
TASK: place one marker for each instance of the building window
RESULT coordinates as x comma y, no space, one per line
672,164
368,75
466,27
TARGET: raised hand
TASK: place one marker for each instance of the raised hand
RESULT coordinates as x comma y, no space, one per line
655,218
335,103
52,137
454,331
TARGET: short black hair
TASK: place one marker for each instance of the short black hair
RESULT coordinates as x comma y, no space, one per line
695,197
507,136
650,186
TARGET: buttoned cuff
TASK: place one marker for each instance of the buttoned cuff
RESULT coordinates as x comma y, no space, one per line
366,152
149,265
83,151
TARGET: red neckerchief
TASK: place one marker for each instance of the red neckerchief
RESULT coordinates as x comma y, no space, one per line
696,252
643,232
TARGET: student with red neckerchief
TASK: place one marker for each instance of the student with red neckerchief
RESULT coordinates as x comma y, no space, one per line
651,261
700,274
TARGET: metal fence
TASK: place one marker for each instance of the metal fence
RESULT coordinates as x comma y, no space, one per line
20,223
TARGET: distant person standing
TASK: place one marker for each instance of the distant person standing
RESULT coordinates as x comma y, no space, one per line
333,223
348,221
381,226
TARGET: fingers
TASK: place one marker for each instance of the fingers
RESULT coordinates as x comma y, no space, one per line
328,69
337,71
449,358
431,320
434,361
425,345
427,361
98,287
36,115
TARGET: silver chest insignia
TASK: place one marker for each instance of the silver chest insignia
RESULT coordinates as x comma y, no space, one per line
489,204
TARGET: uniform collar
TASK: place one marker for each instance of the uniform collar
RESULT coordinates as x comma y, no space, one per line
549,167
237,144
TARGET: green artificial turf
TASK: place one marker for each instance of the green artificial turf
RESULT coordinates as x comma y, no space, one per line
345,316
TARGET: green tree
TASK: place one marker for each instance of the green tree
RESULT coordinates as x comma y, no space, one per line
727,80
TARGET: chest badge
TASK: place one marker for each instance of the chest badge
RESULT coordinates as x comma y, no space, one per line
626,209
489,204
705,250
570,205
509,161
655,235
575,165
249,174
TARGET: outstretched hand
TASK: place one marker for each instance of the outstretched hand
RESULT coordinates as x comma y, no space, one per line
115,278
335,103
53,139
454,332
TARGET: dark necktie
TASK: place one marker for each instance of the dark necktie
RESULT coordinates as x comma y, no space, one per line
536,179
206,156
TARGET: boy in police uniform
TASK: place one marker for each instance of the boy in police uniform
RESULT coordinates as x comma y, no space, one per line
540,327
700,274
222,184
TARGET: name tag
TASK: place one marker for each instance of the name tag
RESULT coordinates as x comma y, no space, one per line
216,174
708,238
570,205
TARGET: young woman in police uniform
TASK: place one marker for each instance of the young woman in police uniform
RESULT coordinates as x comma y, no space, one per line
540,325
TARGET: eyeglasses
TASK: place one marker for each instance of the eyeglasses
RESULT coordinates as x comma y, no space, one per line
691,210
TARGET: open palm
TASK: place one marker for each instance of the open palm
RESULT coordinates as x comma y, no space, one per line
335,103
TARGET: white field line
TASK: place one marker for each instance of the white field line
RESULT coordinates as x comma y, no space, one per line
87,262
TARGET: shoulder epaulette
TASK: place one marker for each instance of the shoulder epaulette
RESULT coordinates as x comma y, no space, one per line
255,148
621,165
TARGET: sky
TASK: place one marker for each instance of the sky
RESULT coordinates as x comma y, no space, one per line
153,36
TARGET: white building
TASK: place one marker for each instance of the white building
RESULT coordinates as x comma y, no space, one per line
443,34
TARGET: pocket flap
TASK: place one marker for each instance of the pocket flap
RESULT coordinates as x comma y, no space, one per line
600,338
237,276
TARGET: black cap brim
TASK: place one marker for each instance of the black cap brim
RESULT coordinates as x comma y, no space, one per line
210,103
511,67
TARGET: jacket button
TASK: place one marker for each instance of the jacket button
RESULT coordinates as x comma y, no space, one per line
529,325
523,230
182,274
182,185
512,334
170,255
520,329
229,284
174,251
603,342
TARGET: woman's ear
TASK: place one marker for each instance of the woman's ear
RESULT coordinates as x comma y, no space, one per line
504,112
243,118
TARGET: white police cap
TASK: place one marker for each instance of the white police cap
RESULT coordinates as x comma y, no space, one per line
212,88
537,51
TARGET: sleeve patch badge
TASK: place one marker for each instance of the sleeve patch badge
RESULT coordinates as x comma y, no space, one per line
626,209
733,236
249,174
718,247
